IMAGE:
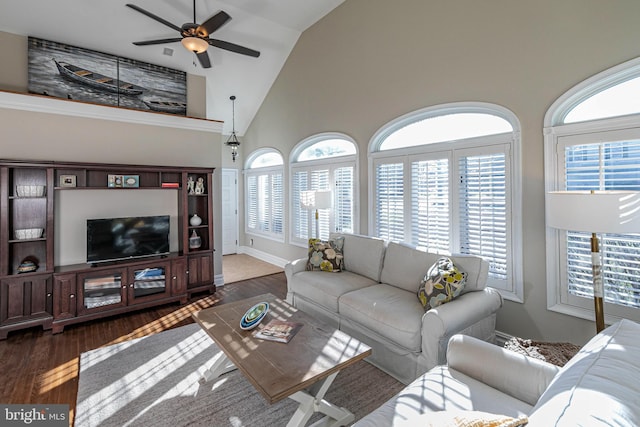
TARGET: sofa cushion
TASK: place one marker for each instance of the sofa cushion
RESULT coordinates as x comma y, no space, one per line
404,267
599,385
443,282
363,254
390,312
325,289
325,255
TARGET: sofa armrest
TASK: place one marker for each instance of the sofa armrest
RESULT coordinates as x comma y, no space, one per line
458,316
517,375
291,268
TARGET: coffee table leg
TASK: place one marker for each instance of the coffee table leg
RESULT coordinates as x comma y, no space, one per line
312,401
221,365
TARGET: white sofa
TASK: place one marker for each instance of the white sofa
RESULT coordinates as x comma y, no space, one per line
599,386
375,300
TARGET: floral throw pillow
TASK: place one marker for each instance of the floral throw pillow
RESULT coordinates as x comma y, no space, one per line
442,283
326,256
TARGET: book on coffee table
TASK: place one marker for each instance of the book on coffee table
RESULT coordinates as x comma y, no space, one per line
278,330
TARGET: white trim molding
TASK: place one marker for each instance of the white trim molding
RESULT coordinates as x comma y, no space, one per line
263,256
43,104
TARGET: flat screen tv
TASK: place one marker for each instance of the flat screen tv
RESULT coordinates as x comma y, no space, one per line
111,239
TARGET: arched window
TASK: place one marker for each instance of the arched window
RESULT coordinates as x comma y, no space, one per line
592,142
264,194
444,179
324,162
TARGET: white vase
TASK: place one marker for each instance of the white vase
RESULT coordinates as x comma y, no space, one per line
195,220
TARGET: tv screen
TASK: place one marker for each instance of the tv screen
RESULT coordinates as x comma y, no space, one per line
110,239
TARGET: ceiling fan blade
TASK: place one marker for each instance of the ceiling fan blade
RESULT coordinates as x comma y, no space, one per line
234,48
155,17
213,23
204,59
160,41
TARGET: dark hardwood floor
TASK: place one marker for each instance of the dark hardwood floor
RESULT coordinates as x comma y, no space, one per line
39,367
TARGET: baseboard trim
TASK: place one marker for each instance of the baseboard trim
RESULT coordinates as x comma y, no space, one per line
502,338
218,279
263,256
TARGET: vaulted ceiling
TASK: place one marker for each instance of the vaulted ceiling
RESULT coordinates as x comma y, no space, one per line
271,27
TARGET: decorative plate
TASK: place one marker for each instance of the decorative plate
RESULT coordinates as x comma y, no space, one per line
254,315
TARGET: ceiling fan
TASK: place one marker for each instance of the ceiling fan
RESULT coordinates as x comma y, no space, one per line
196,37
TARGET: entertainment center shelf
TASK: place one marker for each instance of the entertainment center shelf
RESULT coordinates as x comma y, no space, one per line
35,292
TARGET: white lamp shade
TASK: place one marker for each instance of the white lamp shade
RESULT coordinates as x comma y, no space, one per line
315,199
308,199
597,212
323,199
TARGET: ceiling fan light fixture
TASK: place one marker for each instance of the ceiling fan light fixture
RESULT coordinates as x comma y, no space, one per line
195,44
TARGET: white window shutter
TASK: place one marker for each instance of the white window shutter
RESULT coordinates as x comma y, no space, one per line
483,211
430,207
343,200
389,204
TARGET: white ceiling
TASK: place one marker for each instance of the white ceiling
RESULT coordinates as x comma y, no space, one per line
269,26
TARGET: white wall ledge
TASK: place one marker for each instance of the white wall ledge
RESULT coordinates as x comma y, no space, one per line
50,105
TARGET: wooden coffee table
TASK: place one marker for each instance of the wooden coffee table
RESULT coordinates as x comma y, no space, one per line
302,369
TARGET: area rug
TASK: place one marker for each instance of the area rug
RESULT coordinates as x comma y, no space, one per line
558,353
153,381
239,267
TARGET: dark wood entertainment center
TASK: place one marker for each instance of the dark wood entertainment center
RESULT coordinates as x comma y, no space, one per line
35,292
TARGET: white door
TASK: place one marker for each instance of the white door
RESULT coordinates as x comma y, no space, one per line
229,211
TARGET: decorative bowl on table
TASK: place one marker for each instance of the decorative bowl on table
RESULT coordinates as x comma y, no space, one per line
254,315
30,190
28,233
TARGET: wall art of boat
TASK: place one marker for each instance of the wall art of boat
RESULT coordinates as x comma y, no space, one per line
166,106
96,80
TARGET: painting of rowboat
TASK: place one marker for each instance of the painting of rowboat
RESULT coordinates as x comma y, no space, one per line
71,72
98,81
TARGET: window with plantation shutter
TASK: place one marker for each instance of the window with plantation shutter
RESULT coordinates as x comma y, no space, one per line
344,199
454,195
430,207
264,194
390,201
300,217
483,218
604,166
592,142
323,162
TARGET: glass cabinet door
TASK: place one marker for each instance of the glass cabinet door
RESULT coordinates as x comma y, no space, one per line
102,291
149,281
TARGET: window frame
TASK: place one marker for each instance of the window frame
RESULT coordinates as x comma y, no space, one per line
270,171
514,289
558,135
332,163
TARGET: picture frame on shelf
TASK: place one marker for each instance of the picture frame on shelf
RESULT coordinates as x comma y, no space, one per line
131,181
67,180
114,181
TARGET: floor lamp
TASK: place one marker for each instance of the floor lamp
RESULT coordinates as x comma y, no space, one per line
595,212
320,199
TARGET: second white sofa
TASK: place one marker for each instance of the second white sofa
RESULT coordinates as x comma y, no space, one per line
598,387
375,300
